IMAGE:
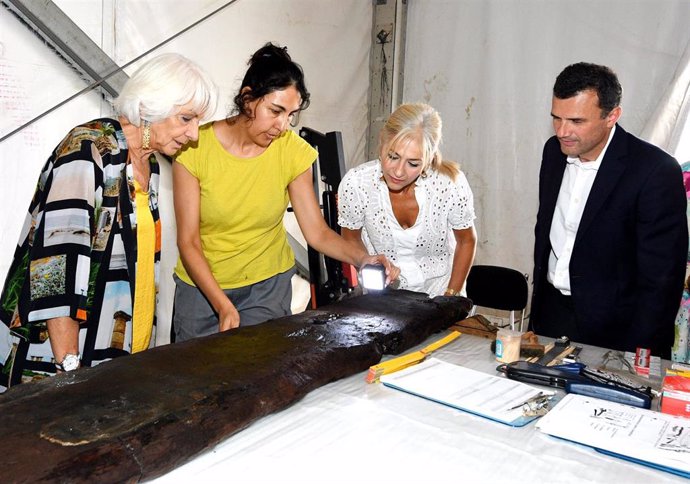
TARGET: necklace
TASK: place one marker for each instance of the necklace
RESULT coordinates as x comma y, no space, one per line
141,170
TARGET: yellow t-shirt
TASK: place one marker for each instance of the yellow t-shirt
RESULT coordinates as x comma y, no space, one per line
243,201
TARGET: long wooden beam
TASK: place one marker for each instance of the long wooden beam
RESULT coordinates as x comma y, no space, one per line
140,416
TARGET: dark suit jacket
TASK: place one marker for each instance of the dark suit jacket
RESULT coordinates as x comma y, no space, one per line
628,262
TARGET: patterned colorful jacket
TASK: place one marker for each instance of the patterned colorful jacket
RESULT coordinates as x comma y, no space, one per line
76,254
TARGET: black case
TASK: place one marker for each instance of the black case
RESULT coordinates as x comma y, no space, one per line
540,374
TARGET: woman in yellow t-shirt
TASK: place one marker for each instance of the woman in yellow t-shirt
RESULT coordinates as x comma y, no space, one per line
231,191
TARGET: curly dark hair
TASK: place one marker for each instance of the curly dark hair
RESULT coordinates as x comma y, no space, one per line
270,69
583,76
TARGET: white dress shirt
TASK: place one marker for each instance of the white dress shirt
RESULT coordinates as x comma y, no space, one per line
424,252
578,179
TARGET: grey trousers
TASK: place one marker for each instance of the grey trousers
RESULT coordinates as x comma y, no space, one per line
193,315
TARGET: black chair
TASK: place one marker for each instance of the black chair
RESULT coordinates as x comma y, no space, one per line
498,288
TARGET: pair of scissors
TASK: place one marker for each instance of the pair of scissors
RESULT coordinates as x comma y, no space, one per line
536,402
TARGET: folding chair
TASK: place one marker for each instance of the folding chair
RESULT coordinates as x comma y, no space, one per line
498,288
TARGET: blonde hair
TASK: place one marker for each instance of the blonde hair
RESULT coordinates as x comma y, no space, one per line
413,120
161,86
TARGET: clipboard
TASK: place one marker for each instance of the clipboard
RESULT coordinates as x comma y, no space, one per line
488,396
633,434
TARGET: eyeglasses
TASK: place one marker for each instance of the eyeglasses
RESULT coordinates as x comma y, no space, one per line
616,358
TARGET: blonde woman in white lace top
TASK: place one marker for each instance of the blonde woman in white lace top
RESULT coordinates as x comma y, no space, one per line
412,206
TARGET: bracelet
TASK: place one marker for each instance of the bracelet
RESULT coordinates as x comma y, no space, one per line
450,291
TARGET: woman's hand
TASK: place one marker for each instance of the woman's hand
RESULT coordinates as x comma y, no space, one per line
63,335
228,317
392,271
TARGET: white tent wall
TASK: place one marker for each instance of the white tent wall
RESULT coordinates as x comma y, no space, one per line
329,38
32,79
488,66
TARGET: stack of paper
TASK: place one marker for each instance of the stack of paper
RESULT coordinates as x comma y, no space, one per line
651,438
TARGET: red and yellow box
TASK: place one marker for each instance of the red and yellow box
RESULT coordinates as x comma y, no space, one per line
675,395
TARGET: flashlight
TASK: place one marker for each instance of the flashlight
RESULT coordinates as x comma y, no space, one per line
373,277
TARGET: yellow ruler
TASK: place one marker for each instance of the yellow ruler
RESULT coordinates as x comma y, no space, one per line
397,364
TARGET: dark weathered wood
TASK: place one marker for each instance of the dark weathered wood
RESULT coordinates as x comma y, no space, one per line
140,416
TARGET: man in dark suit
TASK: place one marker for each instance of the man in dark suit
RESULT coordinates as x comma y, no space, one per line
611,236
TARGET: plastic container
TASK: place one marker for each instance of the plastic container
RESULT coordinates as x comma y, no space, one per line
508,345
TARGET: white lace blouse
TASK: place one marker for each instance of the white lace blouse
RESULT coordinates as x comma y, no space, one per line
364,203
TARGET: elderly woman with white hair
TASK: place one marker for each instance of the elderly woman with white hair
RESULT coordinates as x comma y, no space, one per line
82,287
412,205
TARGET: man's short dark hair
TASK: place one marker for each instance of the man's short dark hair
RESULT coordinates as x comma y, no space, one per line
583,76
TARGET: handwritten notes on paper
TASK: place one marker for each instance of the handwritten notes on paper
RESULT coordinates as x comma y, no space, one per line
652,438
489,396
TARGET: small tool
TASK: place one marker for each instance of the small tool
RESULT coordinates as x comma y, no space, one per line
574,355
535,398
559,347
535,405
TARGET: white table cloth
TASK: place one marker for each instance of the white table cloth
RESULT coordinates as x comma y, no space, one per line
353,432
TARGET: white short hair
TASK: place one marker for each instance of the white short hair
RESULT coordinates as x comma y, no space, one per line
161,86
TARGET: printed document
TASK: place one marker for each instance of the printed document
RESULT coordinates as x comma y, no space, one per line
652,438
494,397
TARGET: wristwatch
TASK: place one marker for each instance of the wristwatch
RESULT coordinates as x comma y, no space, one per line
70,362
